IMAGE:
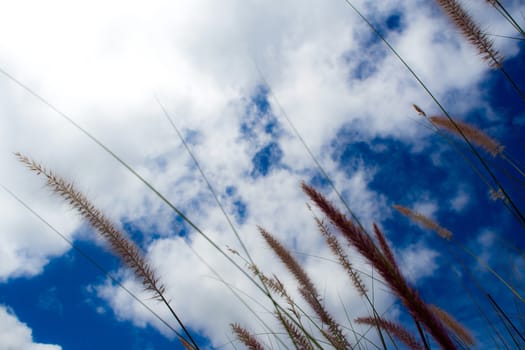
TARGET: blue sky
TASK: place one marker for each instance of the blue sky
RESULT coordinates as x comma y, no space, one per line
230,75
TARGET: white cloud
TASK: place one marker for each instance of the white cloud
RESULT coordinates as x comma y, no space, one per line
460,201
27,244
418,261
485,241
16,335
102,64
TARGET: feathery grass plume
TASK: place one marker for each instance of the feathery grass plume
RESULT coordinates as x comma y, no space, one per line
286,257
308,291
277,286
424,221
471,133
472,32
296,336
98,266
337,250
120,244
246,338
385,248
417,308
395,329
453,325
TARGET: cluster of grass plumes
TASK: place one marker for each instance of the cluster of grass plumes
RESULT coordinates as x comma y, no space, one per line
443,328
473,136
383,261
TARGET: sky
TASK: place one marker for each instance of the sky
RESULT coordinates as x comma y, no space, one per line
239,78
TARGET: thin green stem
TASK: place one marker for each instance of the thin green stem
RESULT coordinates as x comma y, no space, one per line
512,82
500,310
494,273
503,321
513,164
505,36
503,11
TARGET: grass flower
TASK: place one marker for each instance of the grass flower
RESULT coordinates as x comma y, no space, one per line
246,337
120,244
473,134
424,221
397,283
472,32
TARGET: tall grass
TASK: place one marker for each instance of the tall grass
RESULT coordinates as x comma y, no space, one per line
309,324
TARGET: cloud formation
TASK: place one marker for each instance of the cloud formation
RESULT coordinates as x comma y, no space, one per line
102,64
16,335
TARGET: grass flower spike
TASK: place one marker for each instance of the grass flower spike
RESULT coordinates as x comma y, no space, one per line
471,133
424,221
395,329
472,32
120,244
246,337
